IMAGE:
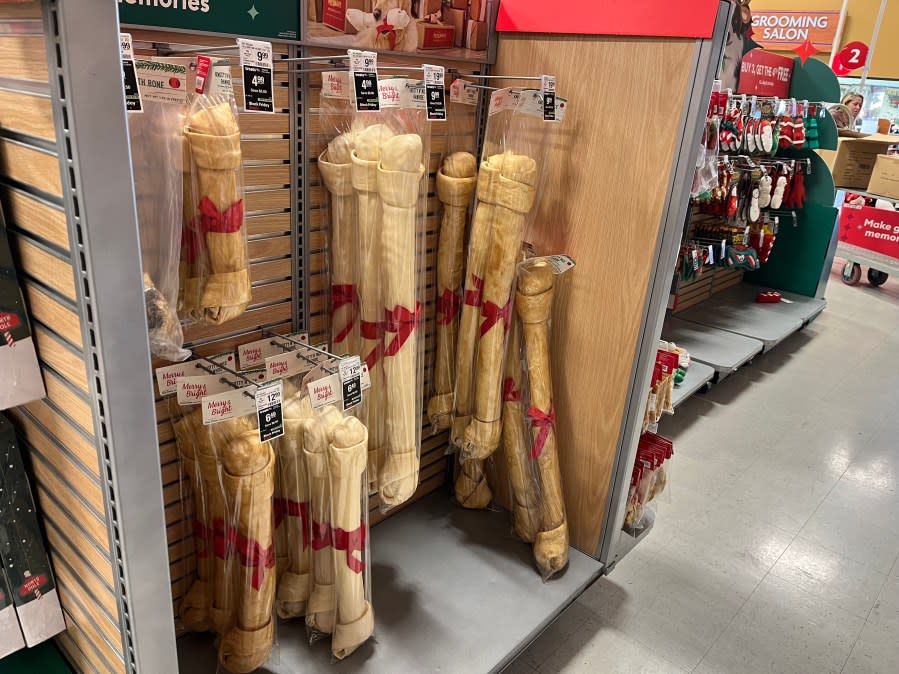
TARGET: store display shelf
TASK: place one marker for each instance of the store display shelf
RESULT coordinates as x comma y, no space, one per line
735,310
453,591
630,538
724,351
839,200
698,375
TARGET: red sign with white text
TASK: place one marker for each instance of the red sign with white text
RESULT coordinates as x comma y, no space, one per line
874,229
654,18
765,74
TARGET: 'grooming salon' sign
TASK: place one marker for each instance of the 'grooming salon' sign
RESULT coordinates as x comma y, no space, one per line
784,29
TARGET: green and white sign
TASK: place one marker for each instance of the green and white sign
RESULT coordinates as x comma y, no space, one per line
276,19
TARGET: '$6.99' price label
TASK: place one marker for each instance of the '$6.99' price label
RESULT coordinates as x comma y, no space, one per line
269,410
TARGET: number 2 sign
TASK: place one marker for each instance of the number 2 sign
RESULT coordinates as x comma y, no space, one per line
852,57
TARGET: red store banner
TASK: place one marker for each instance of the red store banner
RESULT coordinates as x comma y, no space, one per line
765,74
653,18
874,229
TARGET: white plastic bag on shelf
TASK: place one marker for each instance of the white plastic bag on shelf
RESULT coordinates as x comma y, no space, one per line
156,160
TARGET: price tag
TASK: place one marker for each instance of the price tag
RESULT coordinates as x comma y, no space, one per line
350,371
364,67
548,89
561,263
252,356
434,92
167,376
133,102
269,410
462,92
204,63
228,405
256,62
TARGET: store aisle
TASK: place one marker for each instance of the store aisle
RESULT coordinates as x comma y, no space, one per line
777,548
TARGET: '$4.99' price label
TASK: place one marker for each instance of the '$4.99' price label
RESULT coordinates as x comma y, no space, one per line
269,410
257,65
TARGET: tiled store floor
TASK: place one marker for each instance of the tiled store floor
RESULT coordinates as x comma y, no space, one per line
777,548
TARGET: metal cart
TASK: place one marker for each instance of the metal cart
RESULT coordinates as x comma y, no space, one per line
879,265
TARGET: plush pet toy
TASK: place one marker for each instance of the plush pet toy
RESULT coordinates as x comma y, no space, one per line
389,26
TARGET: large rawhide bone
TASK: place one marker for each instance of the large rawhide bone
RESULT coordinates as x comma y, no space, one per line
533,303
522,481
192,265
195,611
293,507
478,244
399,182
213,520
365,159
248,476
355,618
336,170
322,604
512,194
215,147
455,183
471,488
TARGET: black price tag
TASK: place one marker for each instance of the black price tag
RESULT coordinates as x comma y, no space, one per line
548,88
269,411
351,381
133,101
364,66
435,95
256,63
257,87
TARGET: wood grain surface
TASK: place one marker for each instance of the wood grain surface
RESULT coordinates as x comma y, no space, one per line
609,164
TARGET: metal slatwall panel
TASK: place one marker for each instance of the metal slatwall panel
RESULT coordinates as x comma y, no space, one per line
268,171
58,432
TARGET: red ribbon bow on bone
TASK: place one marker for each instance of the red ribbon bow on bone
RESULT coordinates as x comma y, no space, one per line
510,393
211,219
448,305
492,314
283,507
343,294
544,421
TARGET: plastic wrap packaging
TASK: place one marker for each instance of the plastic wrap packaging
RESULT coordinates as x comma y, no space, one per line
533,305
523,486
156,161
214,249
508,184
291,504
232,477
649,479
321,609
456,180
336,169
349,526
391,147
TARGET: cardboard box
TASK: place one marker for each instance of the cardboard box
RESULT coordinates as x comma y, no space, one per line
425,8
885,177
22,549
334,14
456,19
829,157
479,10
476,35
20,376
435,35
855,159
